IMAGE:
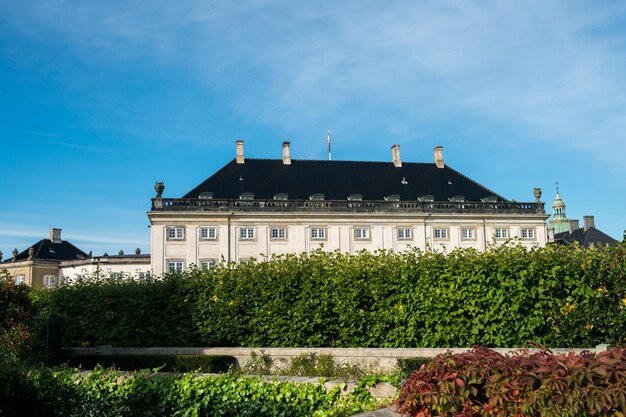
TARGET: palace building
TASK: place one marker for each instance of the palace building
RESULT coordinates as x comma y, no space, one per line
259,208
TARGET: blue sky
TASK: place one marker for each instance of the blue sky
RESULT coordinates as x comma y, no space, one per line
98,100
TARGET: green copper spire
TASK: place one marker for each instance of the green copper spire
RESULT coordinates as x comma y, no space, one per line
559,219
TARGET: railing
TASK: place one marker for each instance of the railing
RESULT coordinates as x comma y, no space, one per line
347,206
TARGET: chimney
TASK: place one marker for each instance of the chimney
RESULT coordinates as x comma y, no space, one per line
588,222
286,154
573,225
395,156
439,156
240,159
55,235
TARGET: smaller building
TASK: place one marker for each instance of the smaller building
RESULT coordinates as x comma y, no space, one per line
587,236
52,262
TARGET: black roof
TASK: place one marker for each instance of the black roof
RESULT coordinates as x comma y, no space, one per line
339,179
45,249
585,238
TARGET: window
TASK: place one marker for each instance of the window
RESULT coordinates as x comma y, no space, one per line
49,281
175,233
528,233
405,234
175,266
468,233
501,233
440,233
20,280
318,233
361,233
246,233
207,263
279,233
208,233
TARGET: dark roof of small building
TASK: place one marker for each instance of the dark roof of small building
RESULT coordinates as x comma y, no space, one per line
337,180
45,249
585,238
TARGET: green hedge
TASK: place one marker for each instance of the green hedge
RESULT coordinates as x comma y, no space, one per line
166,363
505,297
39,393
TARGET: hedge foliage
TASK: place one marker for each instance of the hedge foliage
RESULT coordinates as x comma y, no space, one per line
508,296
484,383
107,393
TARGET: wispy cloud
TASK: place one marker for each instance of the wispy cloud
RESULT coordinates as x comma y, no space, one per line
551,69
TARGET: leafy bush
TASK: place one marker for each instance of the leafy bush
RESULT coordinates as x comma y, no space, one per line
165,363
16,314
507,296
108,393
484,383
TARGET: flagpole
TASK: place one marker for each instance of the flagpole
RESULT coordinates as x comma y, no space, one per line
329,155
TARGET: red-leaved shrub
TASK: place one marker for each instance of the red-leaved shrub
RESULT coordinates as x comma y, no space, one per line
483,382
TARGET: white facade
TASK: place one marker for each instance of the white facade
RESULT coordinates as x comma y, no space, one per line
349,233
105,267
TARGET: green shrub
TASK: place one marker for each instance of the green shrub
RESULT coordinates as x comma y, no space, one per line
165,363
507,296
105,393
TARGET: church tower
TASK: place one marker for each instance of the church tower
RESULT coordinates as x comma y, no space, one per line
559,220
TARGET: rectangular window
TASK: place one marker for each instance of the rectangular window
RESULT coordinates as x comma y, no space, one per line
175,233
174,266
318,233
468,233
440,233
246,233
279,233
501,233
20,280
528,233
207,263
361,233
49,281
208,233
405,234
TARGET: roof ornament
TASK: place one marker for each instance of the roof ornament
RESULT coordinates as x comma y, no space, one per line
137,251
121,252
15,253
31,252
537,194
1,252
159,187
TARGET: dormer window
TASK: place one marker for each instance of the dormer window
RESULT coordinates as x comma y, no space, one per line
206,195
489,199
355,197
281,196
246,196
427,197
457,199
392,197
316,197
